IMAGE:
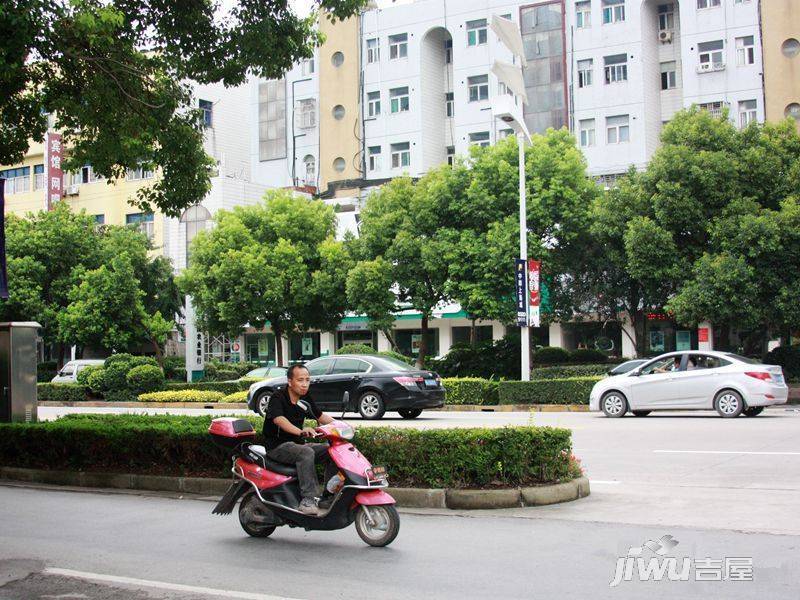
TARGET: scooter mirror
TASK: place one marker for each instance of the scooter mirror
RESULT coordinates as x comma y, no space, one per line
345,403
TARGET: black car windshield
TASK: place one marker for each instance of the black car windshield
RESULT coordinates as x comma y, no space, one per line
394,364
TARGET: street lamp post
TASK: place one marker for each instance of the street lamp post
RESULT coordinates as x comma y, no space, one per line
506,108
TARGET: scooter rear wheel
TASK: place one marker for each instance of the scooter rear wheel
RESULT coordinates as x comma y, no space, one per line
377,525
251,509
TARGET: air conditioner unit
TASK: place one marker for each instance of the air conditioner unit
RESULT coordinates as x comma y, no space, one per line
705,68
665,37
72,190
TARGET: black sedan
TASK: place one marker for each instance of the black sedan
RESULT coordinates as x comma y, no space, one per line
375,384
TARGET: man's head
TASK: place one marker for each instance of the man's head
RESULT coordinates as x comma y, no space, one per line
298,379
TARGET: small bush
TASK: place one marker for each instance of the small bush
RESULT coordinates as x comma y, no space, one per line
175,368
356,349
587,356
397,355
96,380
787,357
85,373
145,378
121,357
61,392
227,375
574,390
550,355
470,390
182,396
235,397
567,371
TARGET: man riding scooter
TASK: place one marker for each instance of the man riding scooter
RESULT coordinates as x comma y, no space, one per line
285,435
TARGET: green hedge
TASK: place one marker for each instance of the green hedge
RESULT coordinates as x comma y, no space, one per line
45,371
235,397
356,349
574,390
567,371
61,392
226,387
145,378
470,390
550,355
182,396
457,458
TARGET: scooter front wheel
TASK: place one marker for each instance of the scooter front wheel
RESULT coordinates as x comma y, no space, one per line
377,525
251,516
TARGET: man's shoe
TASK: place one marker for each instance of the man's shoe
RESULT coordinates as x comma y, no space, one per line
325,502
308,506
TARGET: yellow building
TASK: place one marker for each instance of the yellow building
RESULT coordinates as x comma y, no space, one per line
108,203
780,22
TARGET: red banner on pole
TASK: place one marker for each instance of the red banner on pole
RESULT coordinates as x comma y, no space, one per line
53,174
534,291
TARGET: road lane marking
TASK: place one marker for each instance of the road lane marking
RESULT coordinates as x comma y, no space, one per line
163,585
726,452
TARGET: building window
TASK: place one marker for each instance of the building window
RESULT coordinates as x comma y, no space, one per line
587,133
451,155
373,50
139,173
613,11
208,108
792,110
374,161
448,104
504,133
88,175
398,46
373,104
339,164
666,17
310,164
745,51
747,112
195,218
338,112
715,108
790,48
708,3
476,32
478,88
585,72
583,14
272,120
143,222
480,138
99,219
448,52
617,129
337,59
616,68
38,177
306,113
669,76
711,54
307,66
18,180
398,100
741,1
609,180
401,155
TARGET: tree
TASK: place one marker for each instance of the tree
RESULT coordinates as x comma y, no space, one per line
275,262
369,292
107,311
112,74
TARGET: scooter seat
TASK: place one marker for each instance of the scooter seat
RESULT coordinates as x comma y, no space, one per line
258,455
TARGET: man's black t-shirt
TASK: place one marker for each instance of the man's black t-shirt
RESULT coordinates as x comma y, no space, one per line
281,406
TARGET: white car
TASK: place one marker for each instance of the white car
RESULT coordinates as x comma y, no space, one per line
69,372
692,380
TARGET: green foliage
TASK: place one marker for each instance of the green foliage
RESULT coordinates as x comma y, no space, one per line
396,356
573,390
225,387
204,396
550,355
569,371
175,368
61,392
86,372
46,371
96,380
240,397
452,458
488,360
470,390
587,355
787,357
356,349
145,378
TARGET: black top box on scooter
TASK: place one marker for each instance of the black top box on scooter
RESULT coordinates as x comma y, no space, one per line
229,432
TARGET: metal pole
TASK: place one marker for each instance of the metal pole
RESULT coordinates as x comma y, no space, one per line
523,254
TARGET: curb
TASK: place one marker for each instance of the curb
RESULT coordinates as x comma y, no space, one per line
405,497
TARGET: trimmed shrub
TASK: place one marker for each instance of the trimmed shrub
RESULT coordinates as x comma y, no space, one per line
225,387
227,375
574,390
121,357
489,360
145,378
550,355
787,357
397,355
246,382
356,349
567,371
61,392
175,368
96,380
452,458
235,397
83,374
46,371
182,396
587,356
470,390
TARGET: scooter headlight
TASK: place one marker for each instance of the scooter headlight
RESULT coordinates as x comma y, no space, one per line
342,430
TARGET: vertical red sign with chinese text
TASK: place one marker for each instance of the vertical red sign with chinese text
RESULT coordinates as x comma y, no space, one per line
53,174
534,291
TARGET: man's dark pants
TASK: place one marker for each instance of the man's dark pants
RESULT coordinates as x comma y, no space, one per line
304,456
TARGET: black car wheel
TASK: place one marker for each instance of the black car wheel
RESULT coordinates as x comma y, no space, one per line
262,402
371,405
410,413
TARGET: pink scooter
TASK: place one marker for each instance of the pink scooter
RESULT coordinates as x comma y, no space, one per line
270,491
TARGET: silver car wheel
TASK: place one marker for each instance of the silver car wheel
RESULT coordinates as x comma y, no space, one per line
613,404
728,404
263,404
370,405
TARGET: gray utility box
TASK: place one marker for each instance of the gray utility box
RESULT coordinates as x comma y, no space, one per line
18,371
